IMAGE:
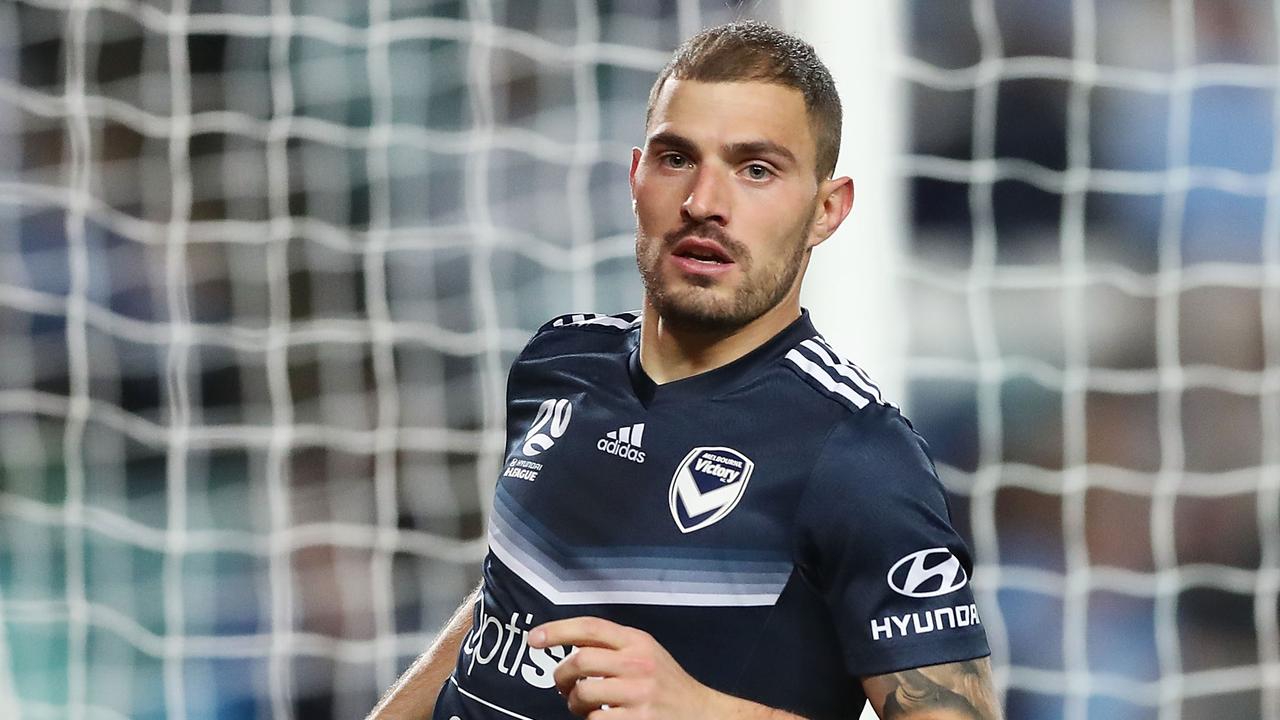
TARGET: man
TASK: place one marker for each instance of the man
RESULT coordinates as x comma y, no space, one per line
704,512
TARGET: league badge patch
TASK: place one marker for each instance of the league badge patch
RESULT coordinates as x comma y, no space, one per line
707,485
548,425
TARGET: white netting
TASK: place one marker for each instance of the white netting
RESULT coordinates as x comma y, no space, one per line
262,269
1095,294
263,265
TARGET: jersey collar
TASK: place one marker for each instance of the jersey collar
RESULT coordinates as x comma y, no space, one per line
722,379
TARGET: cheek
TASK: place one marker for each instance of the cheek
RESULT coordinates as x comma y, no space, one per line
780,232
657,197
653,217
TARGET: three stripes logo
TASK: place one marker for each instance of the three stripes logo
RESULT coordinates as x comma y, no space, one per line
821,366
624,442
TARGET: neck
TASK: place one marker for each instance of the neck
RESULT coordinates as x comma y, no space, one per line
670,352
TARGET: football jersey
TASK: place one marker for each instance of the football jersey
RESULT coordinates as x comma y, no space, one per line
774,523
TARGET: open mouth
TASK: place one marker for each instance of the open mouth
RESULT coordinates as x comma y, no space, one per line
702,251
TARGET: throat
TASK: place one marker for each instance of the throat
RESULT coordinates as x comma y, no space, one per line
670,351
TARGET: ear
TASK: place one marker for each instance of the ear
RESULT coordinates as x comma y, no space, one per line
631,177
835,199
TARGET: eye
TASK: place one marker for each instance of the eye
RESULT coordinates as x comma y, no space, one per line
675,161
756,171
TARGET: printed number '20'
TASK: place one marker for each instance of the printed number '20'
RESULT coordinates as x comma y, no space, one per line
553,416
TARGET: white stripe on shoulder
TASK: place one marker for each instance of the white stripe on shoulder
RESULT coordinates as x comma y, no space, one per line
622,321
846,369
824,378
866,378
836,375
618,321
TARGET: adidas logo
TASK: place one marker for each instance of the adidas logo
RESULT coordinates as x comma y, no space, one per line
624,442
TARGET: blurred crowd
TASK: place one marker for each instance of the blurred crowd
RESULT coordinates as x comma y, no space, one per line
354,243
1117,349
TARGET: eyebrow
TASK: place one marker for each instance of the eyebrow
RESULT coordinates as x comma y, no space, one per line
673,141
755,147
761,147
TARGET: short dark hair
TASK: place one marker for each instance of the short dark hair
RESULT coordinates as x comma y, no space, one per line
755,51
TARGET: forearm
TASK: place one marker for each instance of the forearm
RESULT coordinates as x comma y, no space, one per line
965,688
733,708
414,695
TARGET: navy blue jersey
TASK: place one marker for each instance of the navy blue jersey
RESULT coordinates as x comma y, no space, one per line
774,523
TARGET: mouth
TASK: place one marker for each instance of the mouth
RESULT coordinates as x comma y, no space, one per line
702,251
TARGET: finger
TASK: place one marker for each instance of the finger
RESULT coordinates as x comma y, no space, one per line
594,693
580,632
600,662
585,662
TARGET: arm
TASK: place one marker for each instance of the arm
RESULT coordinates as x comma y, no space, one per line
414,694
899,560
951,691
623,668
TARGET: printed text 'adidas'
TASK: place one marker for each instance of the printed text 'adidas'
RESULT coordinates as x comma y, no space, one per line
624,442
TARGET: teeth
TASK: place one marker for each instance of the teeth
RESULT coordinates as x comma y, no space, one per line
703,257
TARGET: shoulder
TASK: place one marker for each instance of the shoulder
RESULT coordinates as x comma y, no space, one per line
878,441
579,333
592,322
846,406
830,375
870,451
875,465
869,446
872,482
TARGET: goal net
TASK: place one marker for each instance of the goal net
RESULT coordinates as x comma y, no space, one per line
1094,294
263,266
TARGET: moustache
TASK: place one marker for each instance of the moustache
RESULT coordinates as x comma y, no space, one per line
736,250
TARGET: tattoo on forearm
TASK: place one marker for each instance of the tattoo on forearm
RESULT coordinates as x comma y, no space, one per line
955,691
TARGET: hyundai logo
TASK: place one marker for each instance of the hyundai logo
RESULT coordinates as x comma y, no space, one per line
927,573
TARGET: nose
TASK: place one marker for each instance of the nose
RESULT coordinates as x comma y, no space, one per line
708,199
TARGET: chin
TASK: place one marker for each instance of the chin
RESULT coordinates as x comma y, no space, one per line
696,310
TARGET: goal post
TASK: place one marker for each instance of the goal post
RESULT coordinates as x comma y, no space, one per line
853,279
853,283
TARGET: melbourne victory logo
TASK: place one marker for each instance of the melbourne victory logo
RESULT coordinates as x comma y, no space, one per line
707,486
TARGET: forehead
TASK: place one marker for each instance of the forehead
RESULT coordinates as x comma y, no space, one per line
724,113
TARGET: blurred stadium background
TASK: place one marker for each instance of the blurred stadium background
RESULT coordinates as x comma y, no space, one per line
263,266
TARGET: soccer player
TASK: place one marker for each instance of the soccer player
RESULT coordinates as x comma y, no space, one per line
705,512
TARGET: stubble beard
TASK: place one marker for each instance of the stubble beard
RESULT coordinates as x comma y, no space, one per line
691,302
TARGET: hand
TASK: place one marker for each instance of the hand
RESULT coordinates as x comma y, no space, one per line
618,673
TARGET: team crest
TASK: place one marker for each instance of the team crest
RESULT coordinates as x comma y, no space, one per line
707,485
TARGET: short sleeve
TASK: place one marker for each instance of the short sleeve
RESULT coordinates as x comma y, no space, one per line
875,540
